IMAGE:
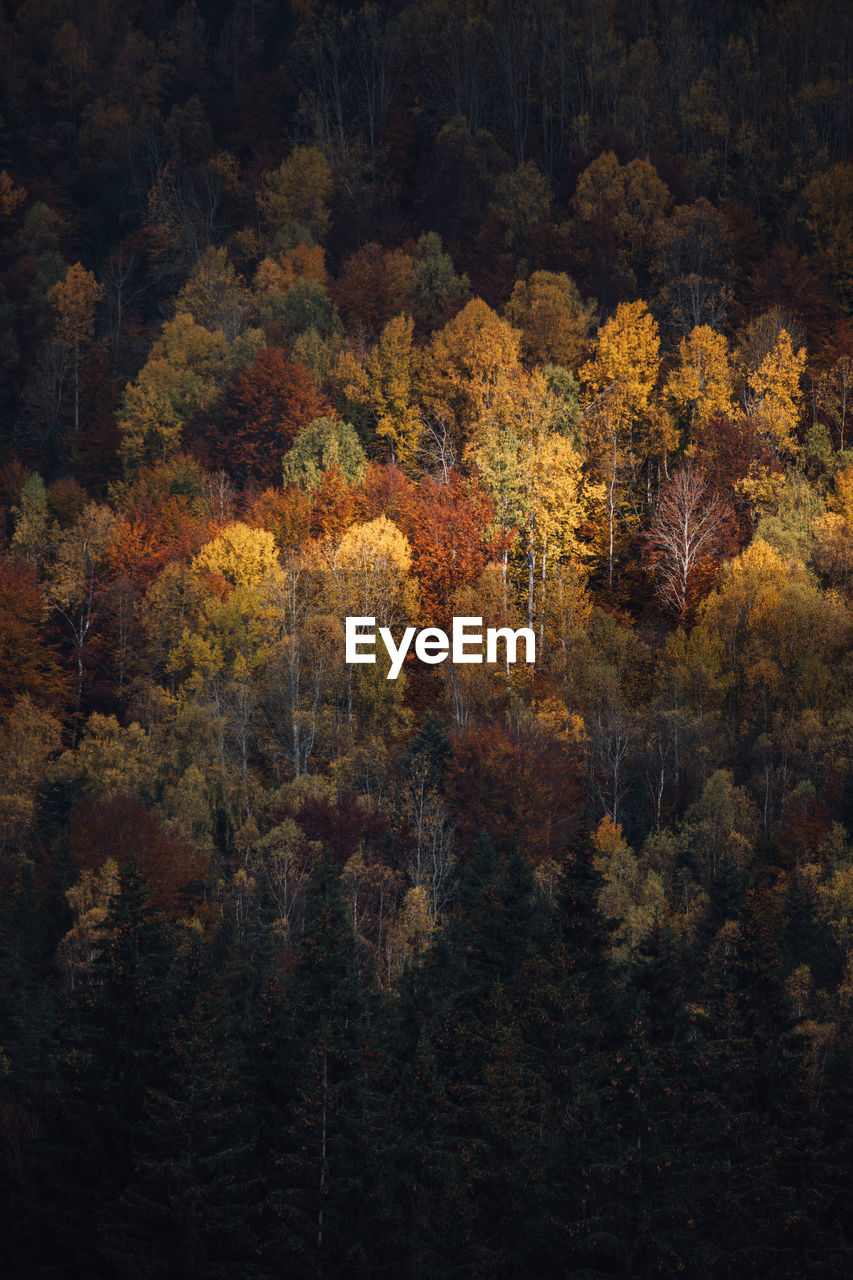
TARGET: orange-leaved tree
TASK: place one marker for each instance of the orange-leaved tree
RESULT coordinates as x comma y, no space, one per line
446,524
268,404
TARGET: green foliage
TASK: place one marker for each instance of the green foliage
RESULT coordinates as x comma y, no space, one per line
325,443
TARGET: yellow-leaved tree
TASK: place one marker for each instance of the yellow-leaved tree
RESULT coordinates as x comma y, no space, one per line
534,476
777,633
369,570
294,198
774,398
244,556
236,617
470,376
183,375
629,895
619,380
366,574
73,301
702,383
388,390
553,319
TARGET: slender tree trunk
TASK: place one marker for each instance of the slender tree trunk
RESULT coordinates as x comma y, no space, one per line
322,1164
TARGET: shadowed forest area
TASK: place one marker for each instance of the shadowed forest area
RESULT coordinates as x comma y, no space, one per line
539,312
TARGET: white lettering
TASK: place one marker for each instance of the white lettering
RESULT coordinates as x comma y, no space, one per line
461,637
396,654
512,638
432,645
354,640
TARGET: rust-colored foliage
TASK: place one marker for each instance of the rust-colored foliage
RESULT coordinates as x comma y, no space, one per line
118,827
446,524
372,287
154,534
335,504
783,280
520,787
286,513
266,406
344,825
29,661
387,490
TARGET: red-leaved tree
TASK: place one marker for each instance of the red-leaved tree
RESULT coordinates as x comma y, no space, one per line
446,524
266,406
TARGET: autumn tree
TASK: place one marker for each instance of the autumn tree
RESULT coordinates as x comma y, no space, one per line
237,591
373,287
620,378
829,220
294,198
76,582
73,301
215,297
435,288
520,200
621,205
267,405
471,372
389,390
369,568
446,525
691,267
325,443
776,634
702,383
683,537
534,476
28,657
183,375
774,398
553,320
29,738
833,396
367,572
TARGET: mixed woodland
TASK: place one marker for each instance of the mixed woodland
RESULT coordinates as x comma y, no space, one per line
537,312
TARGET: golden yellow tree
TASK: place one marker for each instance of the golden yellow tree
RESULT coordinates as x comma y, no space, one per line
185,371
534,476
295,196
626,357
237,618
369,568
619,381
244,556
774,398
73,301
389,390
553,319
702,383
471,373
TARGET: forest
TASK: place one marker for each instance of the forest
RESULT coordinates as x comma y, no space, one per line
538,312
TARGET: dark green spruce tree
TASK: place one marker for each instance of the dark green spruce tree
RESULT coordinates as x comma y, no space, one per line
307,1043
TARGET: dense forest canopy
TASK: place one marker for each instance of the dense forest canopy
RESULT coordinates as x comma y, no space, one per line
536,312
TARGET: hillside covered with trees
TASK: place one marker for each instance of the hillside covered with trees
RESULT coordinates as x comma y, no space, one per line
540,312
